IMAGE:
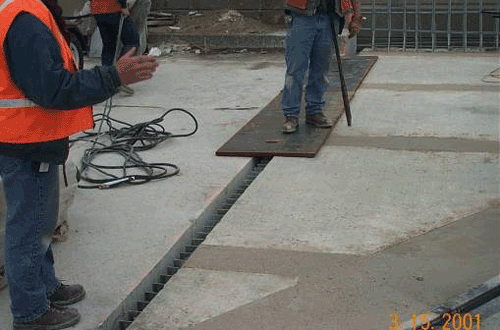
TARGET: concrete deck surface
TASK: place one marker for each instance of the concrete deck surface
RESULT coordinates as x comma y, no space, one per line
369,228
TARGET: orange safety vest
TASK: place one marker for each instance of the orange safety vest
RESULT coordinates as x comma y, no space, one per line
21,120
300,4
105,6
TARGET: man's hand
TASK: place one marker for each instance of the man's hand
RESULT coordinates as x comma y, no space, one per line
348,23
125,12
133,69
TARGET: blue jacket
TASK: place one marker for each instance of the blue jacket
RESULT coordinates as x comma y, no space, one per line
36,67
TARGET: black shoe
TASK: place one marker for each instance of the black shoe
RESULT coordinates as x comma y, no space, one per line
319,120
290,125
67,295
54,319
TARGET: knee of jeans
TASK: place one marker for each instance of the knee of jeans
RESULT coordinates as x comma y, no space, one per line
289,81
45,242
325,80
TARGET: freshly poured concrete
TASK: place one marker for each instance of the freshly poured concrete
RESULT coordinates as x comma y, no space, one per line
432,68
469,115
346,291
357,200
231,289
437,95
381,196
370,231
118,235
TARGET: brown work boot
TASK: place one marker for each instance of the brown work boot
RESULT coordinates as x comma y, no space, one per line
54,319
290,125
67,295
318,120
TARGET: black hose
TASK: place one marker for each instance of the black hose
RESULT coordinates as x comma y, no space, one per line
126,141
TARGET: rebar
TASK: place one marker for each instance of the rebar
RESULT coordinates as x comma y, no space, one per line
374,26
465,24
449,24
431,24
404,25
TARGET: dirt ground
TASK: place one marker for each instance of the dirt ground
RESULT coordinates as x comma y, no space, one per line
219,22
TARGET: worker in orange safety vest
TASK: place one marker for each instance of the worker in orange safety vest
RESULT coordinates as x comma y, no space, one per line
43,100
308,49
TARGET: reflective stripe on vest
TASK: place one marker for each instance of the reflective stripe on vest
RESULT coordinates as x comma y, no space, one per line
21,120
5,4
19,103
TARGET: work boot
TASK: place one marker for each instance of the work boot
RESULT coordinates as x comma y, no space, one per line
67,295
319,120
290,124
55,318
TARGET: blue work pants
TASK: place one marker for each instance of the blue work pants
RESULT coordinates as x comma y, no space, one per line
308,45
32,210
109,25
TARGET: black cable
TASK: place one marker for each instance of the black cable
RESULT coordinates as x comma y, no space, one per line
126,141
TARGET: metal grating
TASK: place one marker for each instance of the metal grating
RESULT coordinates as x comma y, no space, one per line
197,238
430,24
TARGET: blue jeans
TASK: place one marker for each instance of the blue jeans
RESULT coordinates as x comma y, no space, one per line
308,45
32,210
108,28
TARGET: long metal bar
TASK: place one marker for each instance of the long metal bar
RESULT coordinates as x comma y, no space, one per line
465,25
417,25
433,25
449,24
480,24
389,26
404,25
374,26
118,39
497,23
343,87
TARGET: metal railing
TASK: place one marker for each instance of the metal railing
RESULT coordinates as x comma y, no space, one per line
430,25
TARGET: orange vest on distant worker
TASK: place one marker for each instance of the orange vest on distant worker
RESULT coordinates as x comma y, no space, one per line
105,6
21,120
300,4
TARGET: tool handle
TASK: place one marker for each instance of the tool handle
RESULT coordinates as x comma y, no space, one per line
118,38
345,95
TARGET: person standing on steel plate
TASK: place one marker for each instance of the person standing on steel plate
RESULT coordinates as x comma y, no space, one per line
107,14
43,100
308,46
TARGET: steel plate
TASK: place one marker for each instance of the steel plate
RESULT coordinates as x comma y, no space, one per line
262,135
